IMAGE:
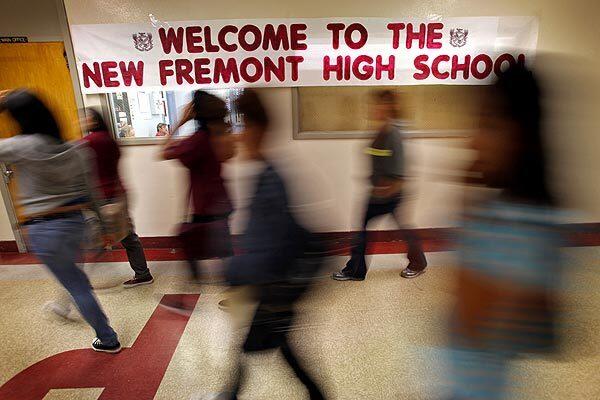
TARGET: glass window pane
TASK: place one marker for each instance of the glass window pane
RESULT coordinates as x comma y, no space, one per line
146,115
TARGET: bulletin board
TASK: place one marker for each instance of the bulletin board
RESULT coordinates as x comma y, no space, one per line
343,112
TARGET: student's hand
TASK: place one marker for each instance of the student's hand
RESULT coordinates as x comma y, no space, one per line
381,191
3,94
188,114
387,188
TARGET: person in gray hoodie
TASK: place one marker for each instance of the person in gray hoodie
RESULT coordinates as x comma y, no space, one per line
55,186
387,180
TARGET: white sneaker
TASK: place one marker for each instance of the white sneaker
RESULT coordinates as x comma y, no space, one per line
60,310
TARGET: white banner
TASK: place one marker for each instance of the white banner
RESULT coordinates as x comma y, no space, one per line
299,52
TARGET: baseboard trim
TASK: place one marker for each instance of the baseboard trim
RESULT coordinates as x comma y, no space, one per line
166,248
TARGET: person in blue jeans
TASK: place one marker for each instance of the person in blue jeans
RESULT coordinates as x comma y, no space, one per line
55,186
387,180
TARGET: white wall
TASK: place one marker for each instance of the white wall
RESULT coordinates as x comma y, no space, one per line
566,28
36,19
158,188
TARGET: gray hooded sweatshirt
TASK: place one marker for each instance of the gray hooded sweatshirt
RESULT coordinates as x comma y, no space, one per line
49,174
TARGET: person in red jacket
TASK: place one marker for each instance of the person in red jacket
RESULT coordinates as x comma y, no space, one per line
107,155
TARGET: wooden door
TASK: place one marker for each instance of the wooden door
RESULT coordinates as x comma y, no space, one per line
42,68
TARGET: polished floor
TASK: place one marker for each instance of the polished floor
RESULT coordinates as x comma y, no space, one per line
378,339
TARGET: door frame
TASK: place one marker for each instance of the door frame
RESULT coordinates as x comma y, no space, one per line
10,210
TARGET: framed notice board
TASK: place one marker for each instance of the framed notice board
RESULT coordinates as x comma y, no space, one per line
343,112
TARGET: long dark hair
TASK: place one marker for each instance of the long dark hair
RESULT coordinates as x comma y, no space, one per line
519,98
208,108
31,114
98,123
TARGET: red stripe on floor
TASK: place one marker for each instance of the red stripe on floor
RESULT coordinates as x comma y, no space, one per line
135,373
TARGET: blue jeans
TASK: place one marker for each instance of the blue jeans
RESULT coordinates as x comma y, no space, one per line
57,243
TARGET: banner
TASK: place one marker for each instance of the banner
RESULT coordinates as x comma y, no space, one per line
299,52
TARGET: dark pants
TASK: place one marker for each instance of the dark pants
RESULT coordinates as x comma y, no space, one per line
205,237
357,265
301,374
135,255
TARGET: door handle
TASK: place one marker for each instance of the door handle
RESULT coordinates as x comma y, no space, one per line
8,174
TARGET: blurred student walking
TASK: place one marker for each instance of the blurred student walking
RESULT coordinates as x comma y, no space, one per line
55,186
387,180
274,260
107,155
510,257
206,234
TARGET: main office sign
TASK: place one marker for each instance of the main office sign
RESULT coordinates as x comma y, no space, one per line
300,52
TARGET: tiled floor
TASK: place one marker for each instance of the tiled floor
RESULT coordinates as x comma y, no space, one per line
378,339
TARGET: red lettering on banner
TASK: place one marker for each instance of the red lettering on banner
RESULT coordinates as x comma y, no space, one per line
328,68
480,67
347,65
367,70
362,40
488,66
210,46
396,28
433,35
258,69
275,39
380,67
222,37
135,373
95,75
294,62
420,64
255,31
183,70
419,35
163,72
108,74
507,58
200,71
298,36
464,67
435,67
129,71
192,40
335,29
275,69
171,39
226,71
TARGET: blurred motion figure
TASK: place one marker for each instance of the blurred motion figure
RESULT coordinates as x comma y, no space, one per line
278,258
112,191
206,234
509,249
55,186
387,180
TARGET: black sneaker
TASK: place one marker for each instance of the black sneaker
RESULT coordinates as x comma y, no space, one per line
343,276
409,273
138,281
97,345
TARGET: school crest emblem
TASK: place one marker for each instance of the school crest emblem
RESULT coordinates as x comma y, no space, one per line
143,41
458,37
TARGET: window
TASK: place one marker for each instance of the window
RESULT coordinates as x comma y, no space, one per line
143,116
